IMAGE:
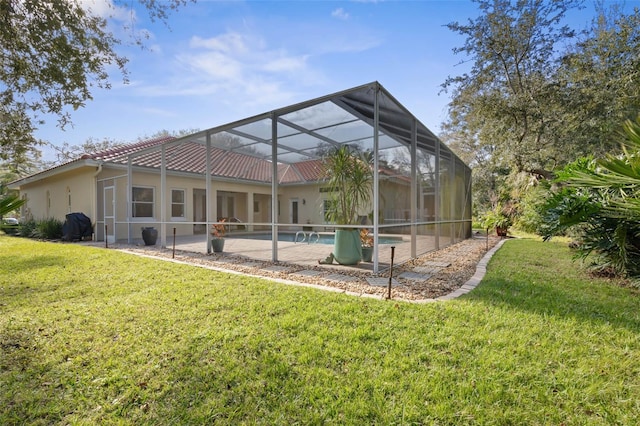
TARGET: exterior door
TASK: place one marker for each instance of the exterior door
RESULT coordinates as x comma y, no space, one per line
294,211
110,213
199,210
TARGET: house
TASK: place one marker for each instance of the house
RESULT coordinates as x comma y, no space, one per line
234,171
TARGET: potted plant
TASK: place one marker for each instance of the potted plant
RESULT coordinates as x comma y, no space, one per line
366,242
497,219
350,182
217,236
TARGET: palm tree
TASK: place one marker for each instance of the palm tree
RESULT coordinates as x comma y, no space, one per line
601,199
350,186
10,203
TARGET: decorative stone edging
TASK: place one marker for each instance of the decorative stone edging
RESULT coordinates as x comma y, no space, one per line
472,283
481,270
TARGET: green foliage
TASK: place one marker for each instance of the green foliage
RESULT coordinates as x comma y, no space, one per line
54,54
28,229
507,106
496,218
533,200
599,200
10,203
46,229
9,228
94,336
601,79
350,182
535,100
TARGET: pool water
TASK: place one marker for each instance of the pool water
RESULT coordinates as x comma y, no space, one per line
315,238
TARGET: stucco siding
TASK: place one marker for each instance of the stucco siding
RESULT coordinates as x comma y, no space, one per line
59,195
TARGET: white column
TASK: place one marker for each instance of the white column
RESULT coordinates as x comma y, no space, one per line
249,210
163,196
274,188
209,195
129,199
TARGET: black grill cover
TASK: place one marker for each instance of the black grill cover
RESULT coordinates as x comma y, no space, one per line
76,227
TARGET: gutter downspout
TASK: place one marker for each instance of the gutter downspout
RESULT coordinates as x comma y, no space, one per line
94,201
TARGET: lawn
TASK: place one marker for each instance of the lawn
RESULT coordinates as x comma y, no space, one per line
95,336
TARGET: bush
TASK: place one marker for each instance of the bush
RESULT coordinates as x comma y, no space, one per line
532,208
48,229
600,201
27,229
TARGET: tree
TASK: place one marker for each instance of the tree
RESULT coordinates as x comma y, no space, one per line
350,183
507,104
53,53
602,72
67,152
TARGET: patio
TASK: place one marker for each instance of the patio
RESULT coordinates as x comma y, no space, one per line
437,275
304,254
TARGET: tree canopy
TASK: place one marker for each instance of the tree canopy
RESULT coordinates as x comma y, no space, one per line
52,55
506,100
539,93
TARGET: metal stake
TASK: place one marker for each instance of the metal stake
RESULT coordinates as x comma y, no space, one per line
486,248
173,255
106,239
393,249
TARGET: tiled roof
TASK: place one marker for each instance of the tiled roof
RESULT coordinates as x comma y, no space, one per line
191,157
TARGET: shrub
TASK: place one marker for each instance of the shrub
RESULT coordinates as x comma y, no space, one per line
48,229
28,229
600,201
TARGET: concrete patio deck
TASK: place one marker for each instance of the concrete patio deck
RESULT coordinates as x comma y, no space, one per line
304,254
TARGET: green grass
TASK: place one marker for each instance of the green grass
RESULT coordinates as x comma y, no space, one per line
90,336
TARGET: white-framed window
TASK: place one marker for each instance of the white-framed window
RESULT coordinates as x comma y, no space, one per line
142,202
326,210
178,204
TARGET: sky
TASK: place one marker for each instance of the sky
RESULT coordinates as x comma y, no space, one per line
222,61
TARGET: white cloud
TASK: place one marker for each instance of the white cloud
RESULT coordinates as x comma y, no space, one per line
106,9
216,65
340,14
286,64
232,43
240,64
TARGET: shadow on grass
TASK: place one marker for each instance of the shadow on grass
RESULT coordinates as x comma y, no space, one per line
543,278
36,262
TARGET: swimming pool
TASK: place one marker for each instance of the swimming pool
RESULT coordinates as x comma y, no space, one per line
309,238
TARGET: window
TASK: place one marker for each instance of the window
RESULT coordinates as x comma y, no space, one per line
256,206
177,203
142,203
326,210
